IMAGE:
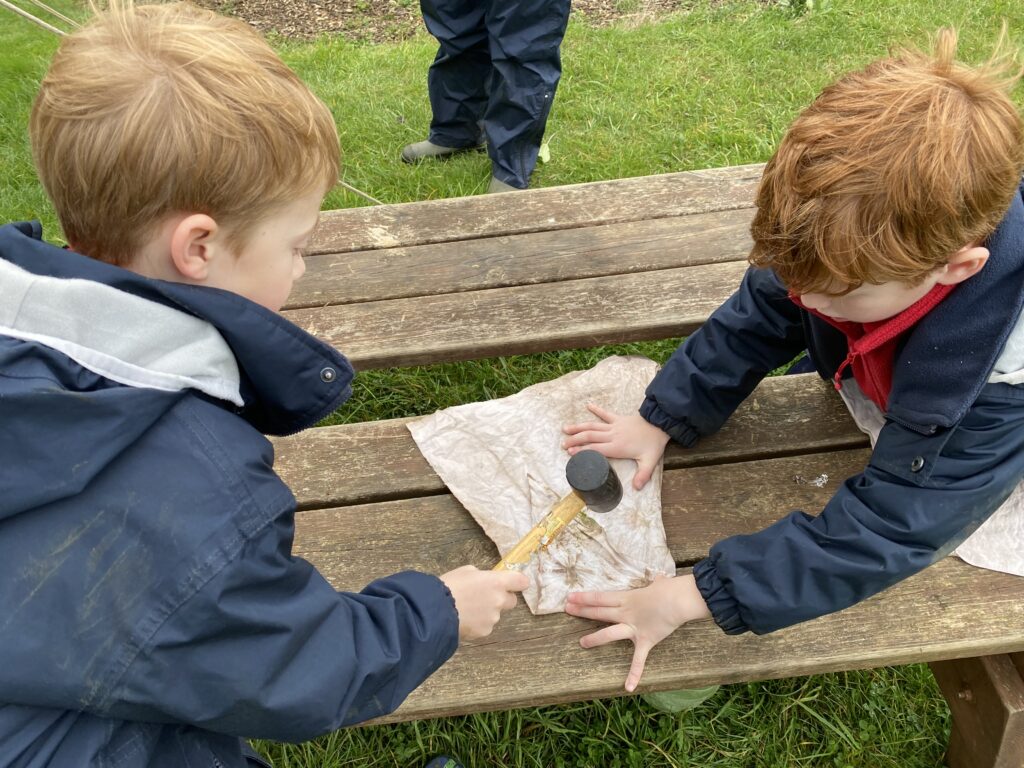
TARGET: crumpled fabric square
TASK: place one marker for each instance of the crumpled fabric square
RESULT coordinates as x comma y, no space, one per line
503,460
996,544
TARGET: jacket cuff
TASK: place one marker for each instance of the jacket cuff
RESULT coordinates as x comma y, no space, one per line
434,606
677,429
724,608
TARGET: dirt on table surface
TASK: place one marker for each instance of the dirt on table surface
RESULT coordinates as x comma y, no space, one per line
390,20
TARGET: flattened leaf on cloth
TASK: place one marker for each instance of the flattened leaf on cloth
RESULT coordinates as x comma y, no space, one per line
503,460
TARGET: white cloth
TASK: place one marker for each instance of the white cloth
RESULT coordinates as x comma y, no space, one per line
503,460
998,544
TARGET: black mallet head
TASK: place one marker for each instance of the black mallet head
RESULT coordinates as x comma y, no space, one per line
594,481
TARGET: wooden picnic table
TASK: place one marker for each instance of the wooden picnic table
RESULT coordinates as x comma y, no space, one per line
561,268
579,266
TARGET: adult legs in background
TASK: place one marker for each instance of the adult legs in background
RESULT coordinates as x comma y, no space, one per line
495,74
524,38
457,80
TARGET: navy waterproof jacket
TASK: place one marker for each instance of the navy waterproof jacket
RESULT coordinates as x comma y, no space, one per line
151,611
951,450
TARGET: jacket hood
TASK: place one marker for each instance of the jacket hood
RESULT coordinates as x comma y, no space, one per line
281,379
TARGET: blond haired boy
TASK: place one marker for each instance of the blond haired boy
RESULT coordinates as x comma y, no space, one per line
888,243
152,611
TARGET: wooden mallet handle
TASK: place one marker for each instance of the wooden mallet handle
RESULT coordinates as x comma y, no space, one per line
594,485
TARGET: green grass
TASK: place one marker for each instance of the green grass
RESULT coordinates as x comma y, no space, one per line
24,52
885,718
714,86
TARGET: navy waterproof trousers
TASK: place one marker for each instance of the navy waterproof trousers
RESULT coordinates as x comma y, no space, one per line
495,76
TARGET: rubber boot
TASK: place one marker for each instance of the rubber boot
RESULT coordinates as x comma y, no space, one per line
497,185
427,150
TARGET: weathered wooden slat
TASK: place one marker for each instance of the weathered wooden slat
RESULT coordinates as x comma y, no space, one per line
540,257
700,505
605,202
951,609
378,460
524,319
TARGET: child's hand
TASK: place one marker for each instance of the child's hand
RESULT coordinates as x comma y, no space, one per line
481,597
646,616
619,437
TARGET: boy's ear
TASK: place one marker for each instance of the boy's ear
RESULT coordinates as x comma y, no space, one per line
194,245
965,263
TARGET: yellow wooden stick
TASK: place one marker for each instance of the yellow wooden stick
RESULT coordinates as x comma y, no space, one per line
542,534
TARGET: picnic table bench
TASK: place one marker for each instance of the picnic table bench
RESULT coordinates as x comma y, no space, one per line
573,267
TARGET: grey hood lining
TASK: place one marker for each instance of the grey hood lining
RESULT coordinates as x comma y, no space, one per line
125,338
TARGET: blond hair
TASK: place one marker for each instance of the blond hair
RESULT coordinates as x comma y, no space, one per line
153,110
891,170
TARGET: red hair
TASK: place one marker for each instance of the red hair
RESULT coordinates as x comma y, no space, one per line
891,170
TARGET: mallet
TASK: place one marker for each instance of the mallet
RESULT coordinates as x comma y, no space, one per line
594,485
